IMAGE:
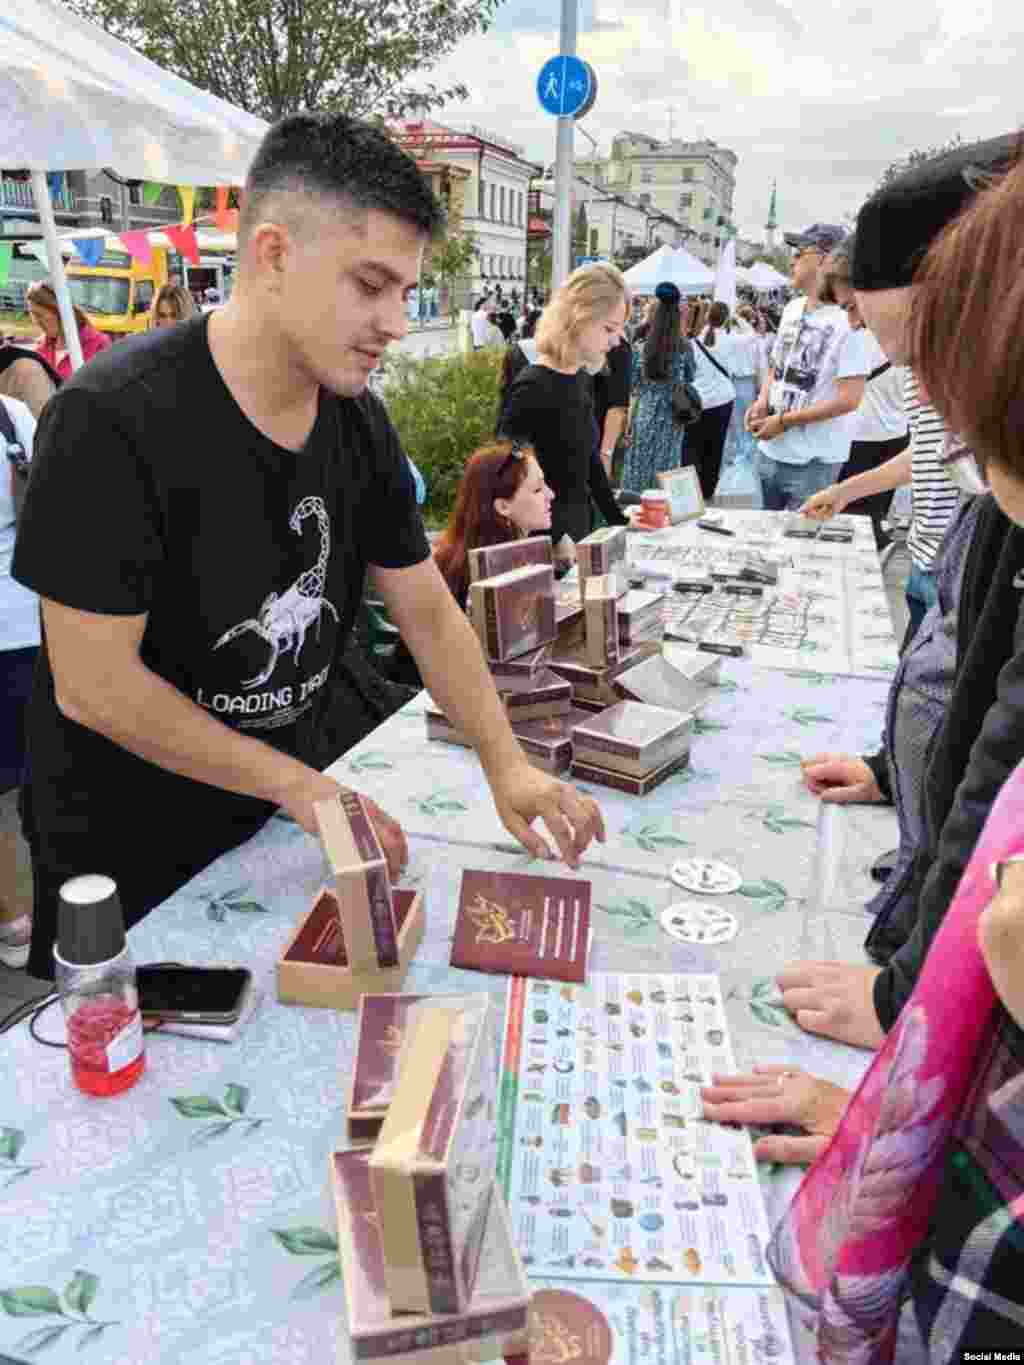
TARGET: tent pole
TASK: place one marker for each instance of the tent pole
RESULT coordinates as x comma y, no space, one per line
41,192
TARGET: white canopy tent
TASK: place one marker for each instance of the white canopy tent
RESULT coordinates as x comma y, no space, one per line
765,278
726,276
692,275
673,265
73,98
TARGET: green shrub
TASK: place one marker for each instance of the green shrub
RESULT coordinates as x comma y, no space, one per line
443,408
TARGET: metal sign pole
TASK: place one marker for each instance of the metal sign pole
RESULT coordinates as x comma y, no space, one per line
561,240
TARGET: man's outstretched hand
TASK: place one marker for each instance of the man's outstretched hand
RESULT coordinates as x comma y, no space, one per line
524,793
834,1000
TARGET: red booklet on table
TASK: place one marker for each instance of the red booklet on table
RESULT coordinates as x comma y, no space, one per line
522,925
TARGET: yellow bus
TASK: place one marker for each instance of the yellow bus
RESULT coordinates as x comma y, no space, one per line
118,293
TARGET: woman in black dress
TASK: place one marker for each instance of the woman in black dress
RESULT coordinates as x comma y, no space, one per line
550,404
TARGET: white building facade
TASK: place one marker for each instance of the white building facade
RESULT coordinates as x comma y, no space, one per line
692,182
495,197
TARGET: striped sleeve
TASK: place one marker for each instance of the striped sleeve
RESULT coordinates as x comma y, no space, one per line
936,497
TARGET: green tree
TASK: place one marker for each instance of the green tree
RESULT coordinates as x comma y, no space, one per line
450,260
917,158
580,232
275,57
778,258
538,256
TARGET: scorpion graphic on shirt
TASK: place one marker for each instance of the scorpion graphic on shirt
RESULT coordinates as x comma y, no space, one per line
283,620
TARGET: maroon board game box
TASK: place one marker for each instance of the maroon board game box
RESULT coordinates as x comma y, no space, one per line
602,625
433,1166
633,738
379,1033
360,880
595,684
314,968
514,612
641,616
523,925
632,786
602,552
495,1324
523,665
536,697
547,743
487,561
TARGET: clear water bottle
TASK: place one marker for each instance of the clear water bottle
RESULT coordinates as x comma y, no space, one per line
96,981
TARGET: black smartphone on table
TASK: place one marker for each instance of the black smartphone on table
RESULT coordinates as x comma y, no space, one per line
198,995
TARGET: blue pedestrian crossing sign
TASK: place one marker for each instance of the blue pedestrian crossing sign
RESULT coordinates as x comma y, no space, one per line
566,86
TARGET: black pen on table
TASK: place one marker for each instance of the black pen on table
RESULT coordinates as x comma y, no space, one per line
718,530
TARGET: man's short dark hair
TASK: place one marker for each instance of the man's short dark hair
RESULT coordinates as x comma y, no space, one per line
339,158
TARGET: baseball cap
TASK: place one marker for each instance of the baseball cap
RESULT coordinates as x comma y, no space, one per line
821,236
899,222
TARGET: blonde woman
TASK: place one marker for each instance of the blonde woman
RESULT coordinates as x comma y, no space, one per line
549,405
172,304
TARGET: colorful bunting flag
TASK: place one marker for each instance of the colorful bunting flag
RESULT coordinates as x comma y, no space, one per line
90,249
6,255
225,218
187,195
151,192
138,246
183,239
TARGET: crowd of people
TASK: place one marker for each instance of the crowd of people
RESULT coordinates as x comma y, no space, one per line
900,361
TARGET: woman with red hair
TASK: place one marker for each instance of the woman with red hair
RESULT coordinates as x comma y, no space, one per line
502,495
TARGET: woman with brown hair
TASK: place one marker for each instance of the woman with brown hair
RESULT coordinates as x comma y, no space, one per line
665,359
41,302
173,303
549,405
502,496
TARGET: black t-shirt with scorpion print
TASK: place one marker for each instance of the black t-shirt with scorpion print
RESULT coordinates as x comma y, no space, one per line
152,492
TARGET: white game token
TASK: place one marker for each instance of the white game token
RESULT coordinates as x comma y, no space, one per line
691,922
707,876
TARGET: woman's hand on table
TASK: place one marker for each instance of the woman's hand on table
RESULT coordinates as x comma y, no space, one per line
775,1095
841,778
299,799
524,793
1001,939
833,1000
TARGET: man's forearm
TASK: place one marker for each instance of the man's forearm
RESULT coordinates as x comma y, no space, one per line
895,473
455,674
150,718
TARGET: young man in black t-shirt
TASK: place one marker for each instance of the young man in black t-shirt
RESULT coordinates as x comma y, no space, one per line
206,501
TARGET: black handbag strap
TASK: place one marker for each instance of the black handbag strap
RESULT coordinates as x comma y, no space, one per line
877,374
720,368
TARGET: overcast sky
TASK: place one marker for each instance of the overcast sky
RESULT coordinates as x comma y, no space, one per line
822,95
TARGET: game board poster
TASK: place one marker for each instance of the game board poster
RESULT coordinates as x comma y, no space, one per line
621,1324
609,1171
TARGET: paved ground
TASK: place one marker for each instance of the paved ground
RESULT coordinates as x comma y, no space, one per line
431,340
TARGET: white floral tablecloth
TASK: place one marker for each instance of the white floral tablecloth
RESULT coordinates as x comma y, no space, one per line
188,1220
